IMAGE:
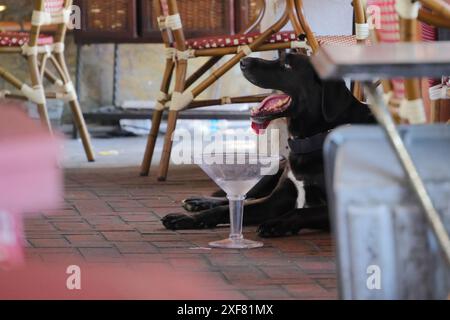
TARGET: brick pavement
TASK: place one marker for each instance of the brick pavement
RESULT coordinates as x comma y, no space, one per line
112,215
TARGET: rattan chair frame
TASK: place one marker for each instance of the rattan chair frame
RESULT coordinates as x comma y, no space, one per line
37,68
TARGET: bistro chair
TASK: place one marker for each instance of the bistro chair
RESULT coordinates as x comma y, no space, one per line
399,21
38,49
179,51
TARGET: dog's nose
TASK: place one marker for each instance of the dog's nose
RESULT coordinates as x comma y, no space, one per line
245,63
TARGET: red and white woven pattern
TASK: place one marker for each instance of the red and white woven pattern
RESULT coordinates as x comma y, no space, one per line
18,39
389,32
429,34
337,40
54,6
237,40
390,27
281,37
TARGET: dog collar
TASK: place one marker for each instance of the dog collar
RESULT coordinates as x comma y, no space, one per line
309,144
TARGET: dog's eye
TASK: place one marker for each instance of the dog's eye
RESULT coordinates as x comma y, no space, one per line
284,61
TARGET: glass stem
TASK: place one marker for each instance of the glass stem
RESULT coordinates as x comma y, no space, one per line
236,216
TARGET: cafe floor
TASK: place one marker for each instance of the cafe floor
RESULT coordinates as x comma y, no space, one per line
111,215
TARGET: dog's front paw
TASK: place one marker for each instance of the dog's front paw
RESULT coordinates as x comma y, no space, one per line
180,221
277,228
200,204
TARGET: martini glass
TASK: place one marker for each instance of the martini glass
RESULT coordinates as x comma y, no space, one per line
236,173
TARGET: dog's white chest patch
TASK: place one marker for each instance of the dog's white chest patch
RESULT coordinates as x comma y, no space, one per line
300,186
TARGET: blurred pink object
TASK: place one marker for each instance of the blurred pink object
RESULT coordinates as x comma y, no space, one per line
11,231
30,179
73,281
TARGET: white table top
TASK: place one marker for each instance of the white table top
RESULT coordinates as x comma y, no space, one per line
386,61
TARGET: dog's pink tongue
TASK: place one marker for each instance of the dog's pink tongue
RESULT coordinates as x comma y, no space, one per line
268,105
259,128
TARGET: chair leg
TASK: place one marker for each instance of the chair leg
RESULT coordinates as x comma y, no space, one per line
82,129
43,116
76,112
167,150
151,142
180,81
435,111
37,82
358,91
156,120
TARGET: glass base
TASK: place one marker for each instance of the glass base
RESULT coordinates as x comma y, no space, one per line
236,244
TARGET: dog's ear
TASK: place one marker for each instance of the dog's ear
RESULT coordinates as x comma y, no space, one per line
336,99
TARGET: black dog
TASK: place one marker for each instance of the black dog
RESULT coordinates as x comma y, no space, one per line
295,198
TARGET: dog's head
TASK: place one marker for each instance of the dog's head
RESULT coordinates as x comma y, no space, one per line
310,104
